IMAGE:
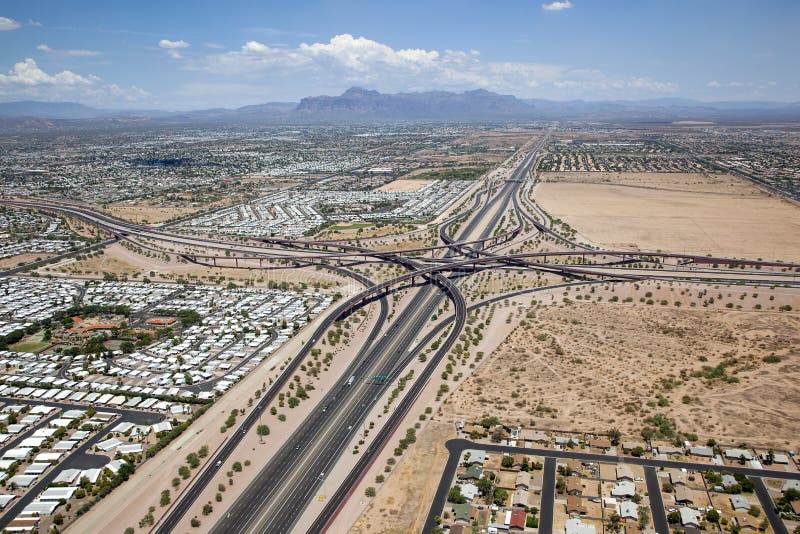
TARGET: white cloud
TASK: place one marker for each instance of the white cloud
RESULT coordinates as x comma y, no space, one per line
28,73
173,48
557,6
73,52
35,23
713,83
27,80
346,60
7,24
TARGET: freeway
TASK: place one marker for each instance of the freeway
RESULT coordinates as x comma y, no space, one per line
170,520
455,447
301,465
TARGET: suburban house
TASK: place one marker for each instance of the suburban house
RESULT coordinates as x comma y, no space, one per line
517,521
747,521
574,486
574,466
624,472
683,495
469,491
523,480
776,458
575,505
739,503
462,513
690,517
736,454
520,497
791,484
624,489
473,472
473,456
728,481
600,443
534,436
705,452
669,450
628,510
576,526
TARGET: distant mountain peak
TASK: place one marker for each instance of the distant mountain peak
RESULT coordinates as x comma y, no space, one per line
360,91
359,103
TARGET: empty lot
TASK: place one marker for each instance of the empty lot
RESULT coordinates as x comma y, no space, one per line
677,212
590,367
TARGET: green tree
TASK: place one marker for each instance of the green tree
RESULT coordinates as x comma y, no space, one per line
500,496
455,496
262,430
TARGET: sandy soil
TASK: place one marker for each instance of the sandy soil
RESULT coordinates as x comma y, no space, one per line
403,502
405,186
142,213
673,211
546,372
14,261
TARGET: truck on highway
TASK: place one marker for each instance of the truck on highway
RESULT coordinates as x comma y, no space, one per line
351,380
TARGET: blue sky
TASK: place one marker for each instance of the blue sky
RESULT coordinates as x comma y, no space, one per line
194,54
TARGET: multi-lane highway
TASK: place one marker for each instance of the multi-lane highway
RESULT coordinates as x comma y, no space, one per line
303,463
281,491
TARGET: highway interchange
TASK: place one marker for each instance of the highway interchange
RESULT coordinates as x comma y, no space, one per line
281,492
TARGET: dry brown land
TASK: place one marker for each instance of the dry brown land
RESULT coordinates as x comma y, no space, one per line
14,261
678,212
595,366
405,186
402,504
142,213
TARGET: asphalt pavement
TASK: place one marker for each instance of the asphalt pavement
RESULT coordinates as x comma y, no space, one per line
547,504
657,510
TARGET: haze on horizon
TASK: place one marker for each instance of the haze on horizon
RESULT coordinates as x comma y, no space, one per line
190,55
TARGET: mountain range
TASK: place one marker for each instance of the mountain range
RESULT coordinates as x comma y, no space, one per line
362,105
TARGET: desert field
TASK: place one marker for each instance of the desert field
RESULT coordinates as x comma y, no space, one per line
590,367
404,186
677,212
148,214
402,504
